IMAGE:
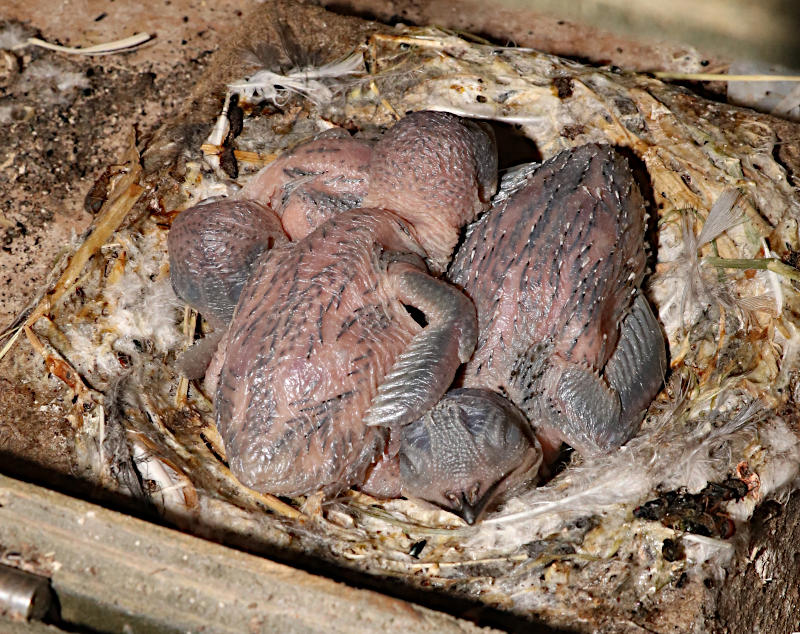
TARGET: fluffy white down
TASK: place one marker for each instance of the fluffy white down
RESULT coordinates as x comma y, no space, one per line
13,36
142,311
666,456
52,83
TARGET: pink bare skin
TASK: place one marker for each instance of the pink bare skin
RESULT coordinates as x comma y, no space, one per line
314,181
382,479
564,332
422,165
319,326
322,357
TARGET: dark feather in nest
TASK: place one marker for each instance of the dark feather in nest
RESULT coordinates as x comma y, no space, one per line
284,55
115,446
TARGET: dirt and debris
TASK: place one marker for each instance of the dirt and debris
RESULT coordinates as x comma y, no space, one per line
64,120
699,513
51,198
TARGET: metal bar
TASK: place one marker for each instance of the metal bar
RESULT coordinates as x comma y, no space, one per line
22,594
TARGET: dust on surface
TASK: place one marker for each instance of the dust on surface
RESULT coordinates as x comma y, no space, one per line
33,428
64,118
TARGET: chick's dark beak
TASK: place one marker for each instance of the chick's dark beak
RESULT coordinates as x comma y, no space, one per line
471,513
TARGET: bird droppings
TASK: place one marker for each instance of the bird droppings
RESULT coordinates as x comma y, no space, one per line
720,405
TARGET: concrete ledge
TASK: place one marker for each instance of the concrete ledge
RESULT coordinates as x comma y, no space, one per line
115,573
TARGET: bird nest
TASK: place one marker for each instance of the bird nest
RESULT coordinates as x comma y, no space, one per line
611,540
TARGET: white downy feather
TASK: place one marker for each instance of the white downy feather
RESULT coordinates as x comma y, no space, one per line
142,307
699,287
318,85
725,214
13,37
765,303
668,456
779,477
52,82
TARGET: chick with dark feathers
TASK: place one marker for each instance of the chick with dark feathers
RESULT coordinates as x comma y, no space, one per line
564,332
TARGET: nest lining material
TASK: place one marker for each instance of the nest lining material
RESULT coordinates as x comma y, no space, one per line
572,551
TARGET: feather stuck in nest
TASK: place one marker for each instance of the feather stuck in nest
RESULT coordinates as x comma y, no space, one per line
733,337
317,84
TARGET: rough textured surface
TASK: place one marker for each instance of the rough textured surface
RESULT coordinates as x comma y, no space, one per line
62,135
762,590
61,142
684,603
552,269
115,573
504,23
